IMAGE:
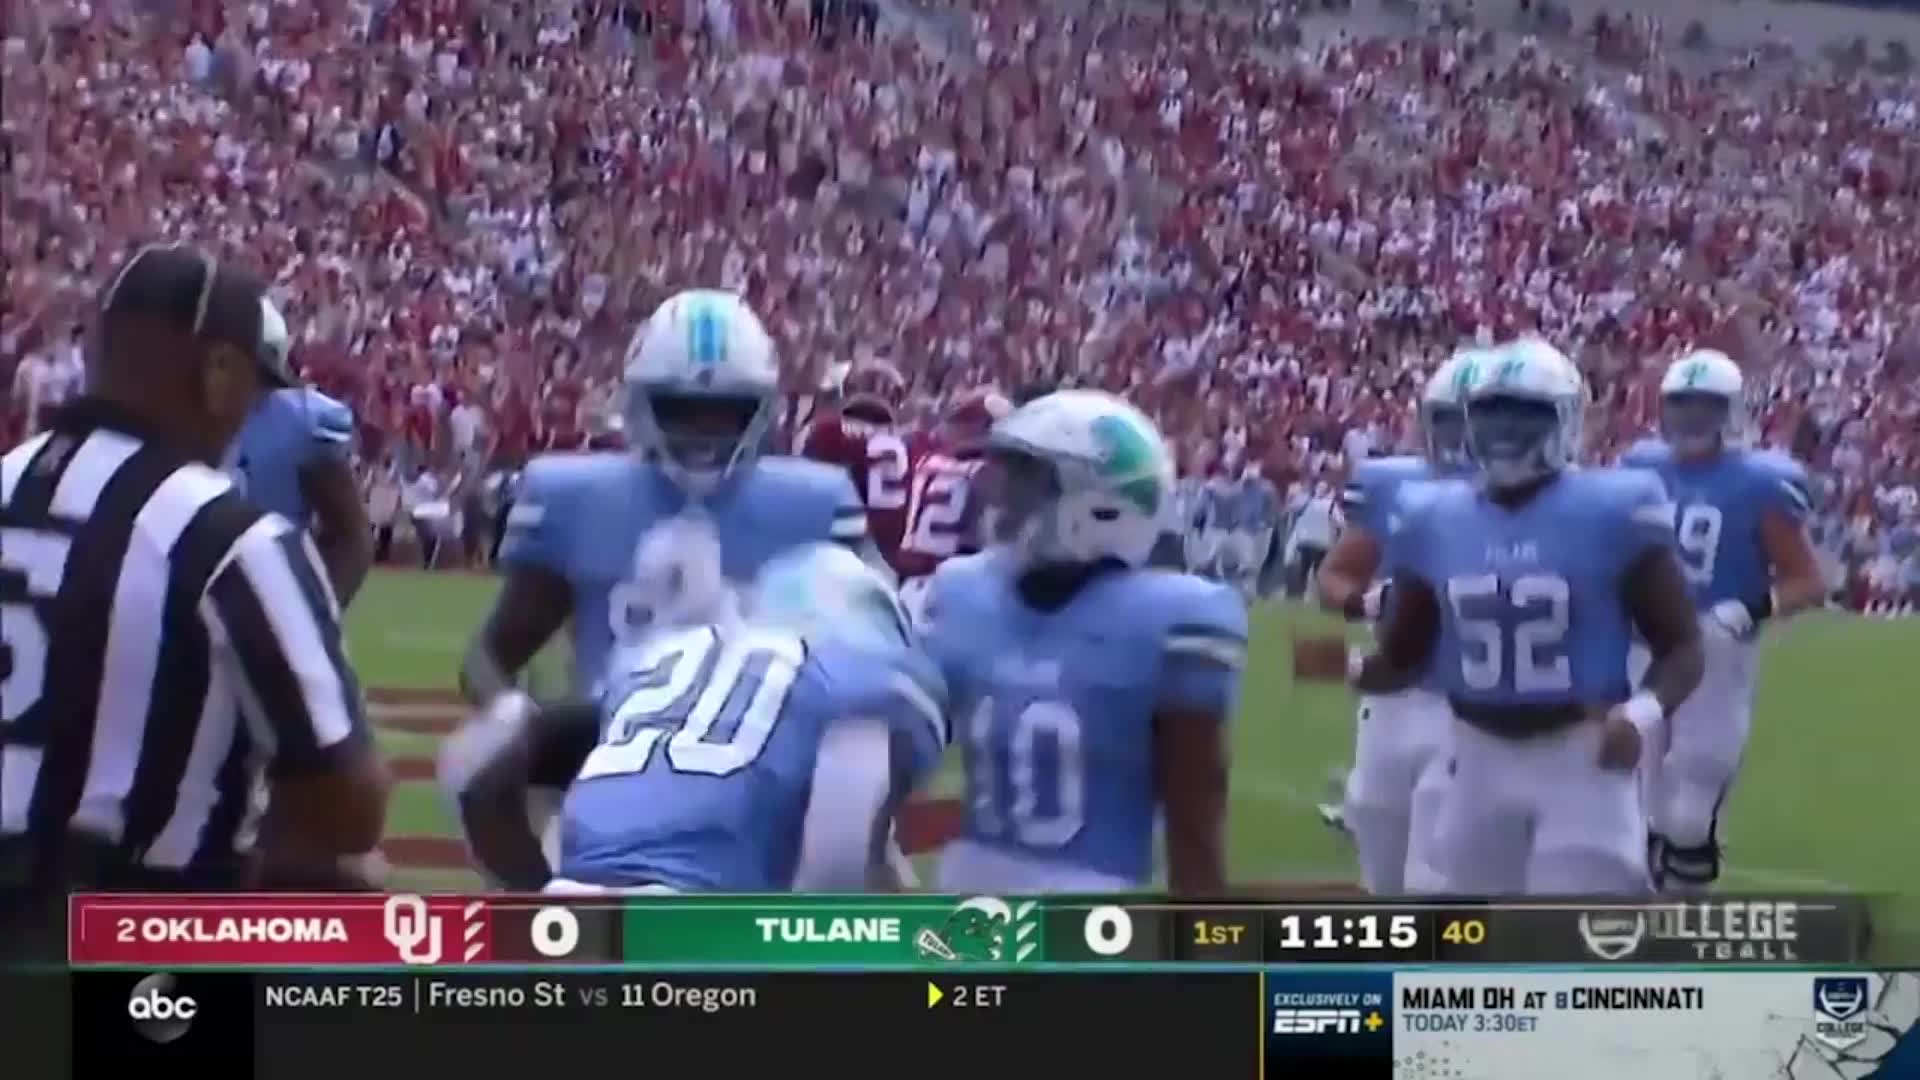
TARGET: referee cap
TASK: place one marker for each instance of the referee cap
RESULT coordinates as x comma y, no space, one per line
194,292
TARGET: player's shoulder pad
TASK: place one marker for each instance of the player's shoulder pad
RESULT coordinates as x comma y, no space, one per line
329,420
797,482
1640,494
556,483
1791,487
1418,502
953,583
1197,619
1371,476
1646,454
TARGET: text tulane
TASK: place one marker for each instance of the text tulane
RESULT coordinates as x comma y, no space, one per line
803,930
194,929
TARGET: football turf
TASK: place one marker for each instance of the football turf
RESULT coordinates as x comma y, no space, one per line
1824,802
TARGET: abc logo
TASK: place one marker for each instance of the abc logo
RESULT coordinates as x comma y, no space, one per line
157,1011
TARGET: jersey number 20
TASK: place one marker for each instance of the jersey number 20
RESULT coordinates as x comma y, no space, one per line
692,685
1513,634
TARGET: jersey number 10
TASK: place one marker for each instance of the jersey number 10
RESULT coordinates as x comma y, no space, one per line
1010,804
1513,635
689,685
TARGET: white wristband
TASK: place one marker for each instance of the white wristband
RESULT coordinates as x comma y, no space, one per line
1356,659
1644,711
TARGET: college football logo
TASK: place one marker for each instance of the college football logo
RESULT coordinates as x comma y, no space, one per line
1613,935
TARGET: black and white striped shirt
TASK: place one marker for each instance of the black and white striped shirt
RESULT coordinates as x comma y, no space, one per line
167,646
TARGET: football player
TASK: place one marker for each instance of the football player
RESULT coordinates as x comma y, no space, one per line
1520,592
1399,737
291,457
944,517
862,436
603,540
1741,534
1256,514
1089,690
751,754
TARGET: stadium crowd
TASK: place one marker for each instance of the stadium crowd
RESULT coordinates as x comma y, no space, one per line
1264,239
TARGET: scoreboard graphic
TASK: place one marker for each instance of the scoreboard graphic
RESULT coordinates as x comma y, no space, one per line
1764,988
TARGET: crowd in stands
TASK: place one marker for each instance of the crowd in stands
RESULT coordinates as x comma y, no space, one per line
1263,237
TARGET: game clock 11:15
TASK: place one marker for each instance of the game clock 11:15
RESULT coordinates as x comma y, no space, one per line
1349,935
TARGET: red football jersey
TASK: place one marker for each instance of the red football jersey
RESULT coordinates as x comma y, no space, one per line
943,509
877,460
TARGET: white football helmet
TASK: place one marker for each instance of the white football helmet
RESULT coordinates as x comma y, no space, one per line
1082,476
827,589
1525,407
1703,402
702,382
1443,418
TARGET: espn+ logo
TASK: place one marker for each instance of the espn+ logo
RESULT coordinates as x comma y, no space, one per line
159,1012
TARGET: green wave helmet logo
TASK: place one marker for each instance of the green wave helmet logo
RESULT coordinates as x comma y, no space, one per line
1463,379
1127,456
1510,370
1695,372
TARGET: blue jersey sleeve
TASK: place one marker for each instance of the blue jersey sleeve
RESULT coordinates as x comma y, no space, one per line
330,427
1646,514
1403,546
1784,488
943,614
1369,499
849,522
904,689
537,527
1645,454
1204,649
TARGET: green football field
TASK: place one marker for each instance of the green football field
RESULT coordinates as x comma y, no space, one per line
1823,804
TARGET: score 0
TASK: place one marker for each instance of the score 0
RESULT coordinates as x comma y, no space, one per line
1109,932
556,933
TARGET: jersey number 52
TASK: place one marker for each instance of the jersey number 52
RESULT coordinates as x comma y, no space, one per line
690,685
1513,634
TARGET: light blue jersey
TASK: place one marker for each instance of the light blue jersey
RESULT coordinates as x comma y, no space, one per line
705,766
583,516
288,432
1718,505
1530,596
1056,709
1370,501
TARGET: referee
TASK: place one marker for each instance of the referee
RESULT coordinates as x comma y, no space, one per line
166,644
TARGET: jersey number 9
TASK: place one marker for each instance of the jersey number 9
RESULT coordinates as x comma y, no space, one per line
1698,538
1513,635
690,684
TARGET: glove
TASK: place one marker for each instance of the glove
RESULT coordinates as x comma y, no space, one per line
1375,601
1730,619
1366,606
482,740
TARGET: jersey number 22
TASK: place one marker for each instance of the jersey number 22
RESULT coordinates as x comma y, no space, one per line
691,684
